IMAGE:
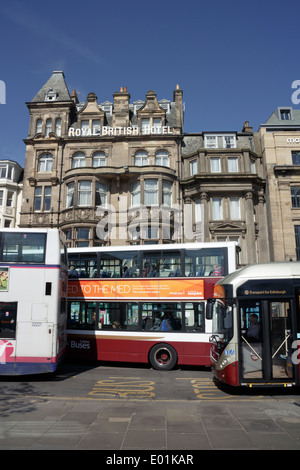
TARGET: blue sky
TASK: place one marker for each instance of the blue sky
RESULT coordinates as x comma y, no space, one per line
234,60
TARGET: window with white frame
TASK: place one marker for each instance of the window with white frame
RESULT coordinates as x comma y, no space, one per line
215,165
99,159
6,171
233,164
141,158
229,141
162,158
211,141
214,141
84,193
78,160
217,209
1,197
234,206
45,163
150,192
193,167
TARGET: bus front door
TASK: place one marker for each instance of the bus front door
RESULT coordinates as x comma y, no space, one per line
266,336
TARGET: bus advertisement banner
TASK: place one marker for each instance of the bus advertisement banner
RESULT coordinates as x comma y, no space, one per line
136,289
3,279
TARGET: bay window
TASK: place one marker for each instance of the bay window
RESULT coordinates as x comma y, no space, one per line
84,193
215,165
150,192
101,194
70,195
136,194
167,193
233,164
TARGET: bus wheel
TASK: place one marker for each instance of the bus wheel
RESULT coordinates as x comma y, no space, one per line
163,357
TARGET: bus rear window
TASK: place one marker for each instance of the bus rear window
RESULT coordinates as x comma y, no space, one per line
8,317
23,247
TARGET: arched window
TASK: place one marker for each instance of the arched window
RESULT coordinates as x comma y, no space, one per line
48,127
78,160
162,158
39,126
141,158
99,159
45,162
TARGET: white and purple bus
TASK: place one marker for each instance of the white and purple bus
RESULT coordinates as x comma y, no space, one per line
33,299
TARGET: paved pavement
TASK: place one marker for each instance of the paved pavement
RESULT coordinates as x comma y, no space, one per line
124,424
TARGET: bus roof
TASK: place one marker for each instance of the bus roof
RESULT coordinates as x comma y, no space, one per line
154,247
274,270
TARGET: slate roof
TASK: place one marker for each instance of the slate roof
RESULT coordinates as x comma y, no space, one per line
275,119
57,83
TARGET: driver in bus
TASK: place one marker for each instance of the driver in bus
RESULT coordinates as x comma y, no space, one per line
254,328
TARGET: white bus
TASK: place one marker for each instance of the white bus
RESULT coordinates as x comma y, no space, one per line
33,298
256,326
144,303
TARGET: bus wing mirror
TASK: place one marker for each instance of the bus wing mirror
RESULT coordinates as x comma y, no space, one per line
209,309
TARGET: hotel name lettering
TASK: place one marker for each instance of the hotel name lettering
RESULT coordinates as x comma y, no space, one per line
113,131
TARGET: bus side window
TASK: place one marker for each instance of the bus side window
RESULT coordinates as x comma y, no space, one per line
195,317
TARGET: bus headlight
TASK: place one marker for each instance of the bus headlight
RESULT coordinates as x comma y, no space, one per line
223,363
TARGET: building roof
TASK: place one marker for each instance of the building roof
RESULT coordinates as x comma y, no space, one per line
57,84
292,117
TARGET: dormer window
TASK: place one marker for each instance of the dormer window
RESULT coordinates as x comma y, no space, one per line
285,114
166,105
107,107
137,105
214,141
51,95
151,125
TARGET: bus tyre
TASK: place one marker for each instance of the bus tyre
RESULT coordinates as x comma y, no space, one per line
163,357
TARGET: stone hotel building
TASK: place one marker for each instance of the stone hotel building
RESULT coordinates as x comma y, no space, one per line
120,172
